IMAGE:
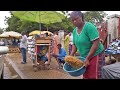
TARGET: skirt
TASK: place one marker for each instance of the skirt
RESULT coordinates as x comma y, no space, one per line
94,70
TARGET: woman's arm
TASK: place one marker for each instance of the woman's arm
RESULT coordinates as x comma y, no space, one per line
74,49
92,51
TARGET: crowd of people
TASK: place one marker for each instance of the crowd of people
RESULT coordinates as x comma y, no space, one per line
58,51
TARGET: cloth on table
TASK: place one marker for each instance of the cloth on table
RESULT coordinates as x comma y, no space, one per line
113,48
111,71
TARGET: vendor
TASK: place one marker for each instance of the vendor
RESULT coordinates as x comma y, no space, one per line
60,57
86,41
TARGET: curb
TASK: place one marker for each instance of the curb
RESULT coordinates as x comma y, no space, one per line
16,68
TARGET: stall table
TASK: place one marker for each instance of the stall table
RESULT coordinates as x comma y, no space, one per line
46,41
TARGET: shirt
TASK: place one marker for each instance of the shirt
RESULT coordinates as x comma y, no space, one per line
83,41
23,43
31,46
62,54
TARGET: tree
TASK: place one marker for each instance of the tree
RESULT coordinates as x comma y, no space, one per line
64,25
67,25
94,16
1,30
15,24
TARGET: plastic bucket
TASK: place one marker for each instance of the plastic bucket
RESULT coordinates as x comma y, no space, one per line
74,72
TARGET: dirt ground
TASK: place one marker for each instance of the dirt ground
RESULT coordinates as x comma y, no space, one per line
28,71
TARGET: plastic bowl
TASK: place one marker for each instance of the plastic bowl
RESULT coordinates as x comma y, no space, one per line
74,72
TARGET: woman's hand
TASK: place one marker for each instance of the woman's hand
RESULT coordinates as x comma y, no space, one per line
86,62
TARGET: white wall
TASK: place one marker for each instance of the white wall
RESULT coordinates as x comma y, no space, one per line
112,26
61,37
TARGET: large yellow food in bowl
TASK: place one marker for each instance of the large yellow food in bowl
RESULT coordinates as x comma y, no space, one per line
74,62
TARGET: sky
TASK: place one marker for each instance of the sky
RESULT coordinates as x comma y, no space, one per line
7,14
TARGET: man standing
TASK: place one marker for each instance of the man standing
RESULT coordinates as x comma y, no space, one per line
23,47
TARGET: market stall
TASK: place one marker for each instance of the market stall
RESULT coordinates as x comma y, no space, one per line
42,47
11,39
114,50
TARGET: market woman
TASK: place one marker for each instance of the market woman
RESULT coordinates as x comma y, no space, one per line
86,41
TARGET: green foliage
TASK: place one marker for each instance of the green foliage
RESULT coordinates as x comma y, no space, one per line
15,24
94,16
1,30
66,24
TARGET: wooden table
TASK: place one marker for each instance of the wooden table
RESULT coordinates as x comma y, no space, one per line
40,42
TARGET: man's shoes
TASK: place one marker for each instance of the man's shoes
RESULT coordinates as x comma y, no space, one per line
23,62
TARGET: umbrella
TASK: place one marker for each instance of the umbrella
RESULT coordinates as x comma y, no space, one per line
38,32
43,32
46,17
10,34
30,37
34,32
4,35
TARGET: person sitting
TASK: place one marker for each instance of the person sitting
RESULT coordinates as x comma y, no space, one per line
60,56
42,55
14,43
